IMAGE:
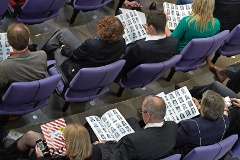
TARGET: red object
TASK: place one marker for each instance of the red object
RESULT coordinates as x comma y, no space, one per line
20,2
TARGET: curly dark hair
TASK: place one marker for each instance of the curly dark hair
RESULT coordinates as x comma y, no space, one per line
110,29
18,36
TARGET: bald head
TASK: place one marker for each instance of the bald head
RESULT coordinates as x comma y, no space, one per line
155,106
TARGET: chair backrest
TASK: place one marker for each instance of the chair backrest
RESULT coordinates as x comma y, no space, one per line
3,8
194,54
231,46
92,81
88,5
25,97
144,74
226,145
235,151
204,152
38,11
173,157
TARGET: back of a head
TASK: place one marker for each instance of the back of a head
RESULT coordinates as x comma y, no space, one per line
77,141
212,105
18,36
110,29
155,106
203,12
157,19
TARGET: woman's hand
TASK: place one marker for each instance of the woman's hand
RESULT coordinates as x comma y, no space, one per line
38,152
196,103
235,101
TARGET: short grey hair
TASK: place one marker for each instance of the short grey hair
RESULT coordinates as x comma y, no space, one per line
155,106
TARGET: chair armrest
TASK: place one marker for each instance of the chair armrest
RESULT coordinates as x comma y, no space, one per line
64,78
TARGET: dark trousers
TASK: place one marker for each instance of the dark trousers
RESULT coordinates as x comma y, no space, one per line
233,72
215,86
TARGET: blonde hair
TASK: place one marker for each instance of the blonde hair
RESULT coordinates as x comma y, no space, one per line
77,141
202,13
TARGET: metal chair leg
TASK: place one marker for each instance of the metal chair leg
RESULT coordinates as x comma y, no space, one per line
65,106
120,92
74,15
170,75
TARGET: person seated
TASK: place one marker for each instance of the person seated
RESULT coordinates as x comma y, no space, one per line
22,65
72,55
233,111
130,4
200,24
77,140
182,2
221,74
156,47
208,129
227,11
154,141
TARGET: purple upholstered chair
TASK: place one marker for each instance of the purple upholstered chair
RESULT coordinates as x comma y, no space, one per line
3,8
235,151
38,11
144,74
173,157
25,97
231,46
88,83
226,145
209,152
86,5
195,52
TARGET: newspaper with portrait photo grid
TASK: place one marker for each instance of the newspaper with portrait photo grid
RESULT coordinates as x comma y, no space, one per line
112,126
179,105
5,48
176,13
132,24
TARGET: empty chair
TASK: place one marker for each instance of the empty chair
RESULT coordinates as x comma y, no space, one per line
38,11
235,151
3,8
226,145
88,83
195,52
25,97
85,5
144,74
209,152
173,157
231,46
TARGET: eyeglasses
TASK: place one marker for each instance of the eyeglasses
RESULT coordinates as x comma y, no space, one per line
141,111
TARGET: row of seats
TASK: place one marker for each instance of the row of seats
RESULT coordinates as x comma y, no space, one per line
34,12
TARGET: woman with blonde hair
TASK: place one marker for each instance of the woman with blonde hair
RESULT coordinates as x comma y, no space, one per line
199,24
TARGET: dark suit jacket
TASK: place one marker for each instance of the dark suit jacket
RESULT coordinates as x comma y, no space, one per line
210,132
148,144
152,51
227,12
92,53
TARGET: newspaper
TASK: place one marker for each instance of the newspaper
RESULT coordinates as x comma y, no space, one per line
112,126
180,105
53,134
5,48
176,13
132,24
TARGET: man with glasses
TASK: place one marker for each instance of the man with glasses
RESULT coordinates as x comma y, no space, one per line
154,141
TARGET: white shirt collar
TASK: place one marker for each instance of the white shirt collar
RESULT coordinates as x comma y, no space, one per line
151,37
154,125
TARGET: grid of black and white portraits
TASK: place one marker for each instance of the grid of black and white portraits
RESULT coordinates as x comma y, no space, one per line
176,13
179,105
133,29
5,48
110,127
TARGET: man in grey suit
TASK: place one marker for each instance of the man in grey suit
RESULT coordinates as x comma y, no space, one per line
22,65
155,141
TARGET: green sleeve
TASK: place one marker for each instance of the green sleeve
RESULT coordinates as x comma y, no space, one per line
180,29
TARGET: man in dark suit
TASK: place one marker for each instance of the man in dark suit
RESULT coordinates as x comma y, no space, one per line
153,142
156,47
